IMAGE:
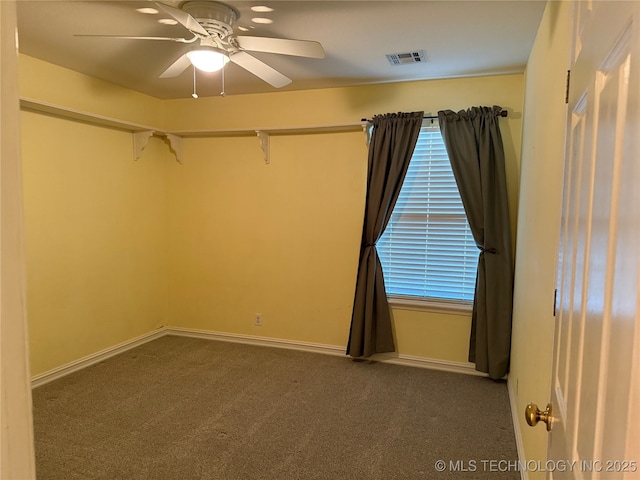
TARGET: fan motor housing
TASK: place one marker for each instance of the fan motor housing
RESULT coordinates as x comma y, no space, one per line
215,17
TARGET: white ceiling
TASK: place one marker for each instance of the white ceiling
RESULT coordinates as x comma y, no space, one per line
460,38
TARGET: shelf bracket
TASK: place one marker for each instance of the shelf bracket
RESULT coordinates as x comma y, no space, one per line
176,145
263,137
140,140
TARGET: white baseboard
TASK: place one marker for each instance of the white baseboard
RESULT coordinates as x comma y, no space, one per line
335,350
84,362
524,475
258,341
430,363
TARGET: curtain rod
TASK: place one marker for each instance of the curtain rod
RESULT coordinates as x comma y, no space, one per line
503,113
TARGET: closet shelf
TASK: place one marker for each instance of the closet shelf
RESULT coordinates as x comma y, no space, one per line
243,132
38,106
142,133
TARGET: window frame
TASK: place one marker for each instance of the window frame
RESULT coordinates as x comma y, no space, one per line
430,304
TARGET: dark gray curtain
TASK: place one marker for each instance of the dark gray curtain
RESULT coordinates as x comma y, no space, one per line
393,139
474,145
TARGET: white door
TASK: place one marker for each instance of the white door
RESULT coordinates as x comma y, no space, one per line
595,385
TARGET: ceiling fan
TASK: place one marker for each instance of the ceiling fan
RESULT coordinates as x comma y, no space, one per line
211,26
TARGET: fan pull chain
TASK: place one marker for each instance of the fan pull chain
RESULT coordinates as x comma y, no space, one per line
222,93
194,94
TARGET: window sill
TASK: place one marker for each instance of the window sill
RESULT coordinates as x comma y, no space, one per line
451,307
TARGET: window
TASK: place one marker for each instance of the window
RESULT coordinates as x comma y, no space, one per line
427,251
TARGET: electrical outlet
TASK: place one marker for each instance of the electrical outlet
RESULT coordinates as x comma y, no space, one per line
258,320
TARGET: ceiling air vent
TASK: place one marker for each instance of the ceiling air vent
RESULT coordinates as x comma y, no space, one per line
405,58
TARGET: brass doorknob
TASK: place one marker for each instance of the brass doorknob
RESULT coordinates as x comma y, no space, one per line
533,415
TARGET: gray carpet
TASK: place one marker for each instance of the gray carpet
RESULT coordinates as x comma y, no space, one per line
182,408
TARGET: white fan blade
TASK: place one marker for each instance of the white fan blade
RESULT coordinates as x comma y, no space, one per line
177,67
299,48
129,37
184,18
260,69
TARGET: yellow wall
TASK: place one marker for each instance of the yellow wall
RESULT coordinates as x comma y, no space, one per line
95,219
60,86
283,239
350,104
95,234
277,239
116,248
539,222
441,336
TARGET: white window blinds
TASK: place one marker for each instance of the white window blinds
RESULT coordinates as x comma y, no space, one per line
427,250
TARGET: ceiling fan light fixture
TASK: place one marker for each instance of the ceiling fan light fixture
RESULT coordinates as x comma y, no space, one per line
207,59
